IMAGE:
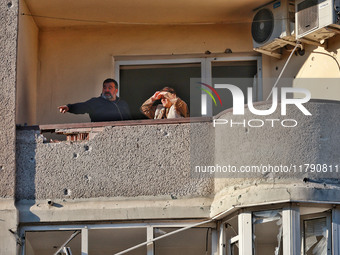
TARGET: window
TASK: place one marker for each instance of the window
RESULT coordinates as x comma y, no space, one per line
267,232
139,82
316,234
139,238
49,242
307,230
231,236
239,73
139,79
112,241
189,242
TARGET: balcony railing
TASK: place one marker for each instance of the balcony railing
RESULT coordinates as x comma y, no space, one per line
108,159
160,157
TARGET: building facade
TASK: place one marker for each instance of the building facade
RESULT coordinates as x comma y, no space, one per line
214,183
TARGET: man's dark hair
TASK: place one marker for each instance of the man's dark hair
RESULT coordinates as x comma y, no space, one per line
111,80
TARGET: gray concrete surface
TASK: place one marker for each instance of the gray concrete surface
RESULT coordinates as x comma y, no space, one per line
8,44
9,219
315,140
8,47
155,164
129,161
113,209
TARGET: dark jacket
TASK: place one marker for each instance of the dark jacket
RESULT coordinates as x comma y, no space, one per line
101,109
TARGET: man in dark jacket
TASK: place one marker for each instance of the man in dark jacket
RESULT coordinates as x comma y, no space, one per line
107,107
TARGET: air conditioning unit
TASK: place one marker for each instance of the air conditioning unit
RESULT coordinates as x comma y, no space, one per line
317,20
273,25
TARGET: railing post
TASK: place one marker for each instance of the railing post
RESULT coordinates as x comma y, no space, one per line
84,241
149,236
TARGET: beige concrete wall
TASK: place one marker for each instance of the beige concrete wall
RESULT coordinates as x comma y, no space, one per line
321,61
74,62
27,75
320,73
312,70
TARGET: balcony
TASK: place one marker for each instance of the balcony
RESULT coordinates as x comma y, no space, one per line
125,159
155,161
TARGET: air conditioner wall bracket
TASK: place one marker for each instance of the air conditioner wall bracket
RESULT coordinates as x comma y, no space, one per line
269,53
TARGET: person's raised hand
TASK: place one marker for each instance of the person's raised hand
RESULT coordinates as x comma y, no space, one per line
63,108
156,96
168,95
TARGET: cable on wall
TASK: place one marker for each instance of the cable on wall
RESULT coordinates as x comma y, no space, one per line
329,55
284,67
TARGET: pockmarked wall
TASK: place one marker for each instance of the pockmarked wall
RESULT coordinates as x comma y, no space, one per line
127,161
129,167
28,68
74,62
8,51
317,70
275,162
131,172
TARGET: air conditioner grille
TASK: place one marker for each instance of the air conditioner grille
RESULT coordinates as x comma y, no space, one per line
307,16
262,26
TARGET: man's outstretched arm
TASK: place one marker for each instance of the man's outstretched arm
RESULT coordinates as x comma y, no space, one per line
77,108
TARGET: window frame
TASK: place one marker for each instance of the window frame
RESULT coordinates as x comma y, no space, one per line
84,228
225,244
290,222
328,216
336,230
206,69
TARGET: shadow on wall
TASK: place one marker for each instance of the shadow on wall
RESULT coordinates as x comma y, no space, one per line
25,188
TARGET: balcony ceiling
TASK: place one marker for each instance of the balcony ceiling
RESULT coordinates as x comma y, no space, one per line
64,13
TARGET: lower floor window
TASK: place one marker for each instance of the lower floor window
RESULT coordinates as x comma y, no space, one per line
280,231
267,232
114,238
316,233
286,230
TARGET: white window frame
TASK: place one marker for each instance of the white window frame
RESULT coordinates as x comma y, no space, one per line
232,241
149,227
291,230
328,217
245,233
224,243
336,230
206,70
292,222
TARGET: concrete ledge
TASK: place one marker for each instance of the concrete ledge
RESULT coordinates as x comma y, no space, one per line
273,193
9,219
112,209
